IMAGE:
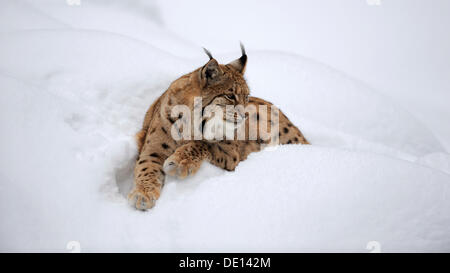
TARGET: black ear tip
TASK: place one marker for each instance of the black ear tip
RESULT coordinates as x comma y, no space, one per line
242,49
208,53
243,59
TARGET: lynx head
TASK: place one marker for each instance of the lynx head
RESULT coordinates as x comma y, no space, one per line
218,90
224,85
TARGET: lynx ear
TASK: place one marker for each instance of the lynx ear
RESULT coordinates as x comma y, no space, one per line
240,63
210,72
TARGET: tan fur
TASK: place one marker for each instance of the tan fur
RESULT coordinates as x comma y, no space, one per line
158,150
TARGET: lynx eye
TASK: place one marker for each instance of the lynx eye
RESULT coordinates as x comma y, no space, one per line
230,97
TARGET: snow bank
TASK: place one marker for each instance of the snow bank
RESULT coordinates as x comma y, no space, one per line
73,96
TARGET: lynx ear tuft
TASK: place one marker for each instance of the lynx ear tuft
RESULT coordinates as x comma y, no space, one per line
208,53
239,64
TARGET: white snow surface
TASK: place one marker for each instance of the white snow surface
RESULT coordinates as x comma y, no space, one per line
75,82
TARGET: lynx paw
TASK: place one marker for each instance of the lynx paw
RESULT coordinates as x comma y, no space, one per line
142,200
181,167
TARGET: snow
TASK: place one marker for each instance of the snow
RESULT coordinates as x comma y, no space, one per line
76,81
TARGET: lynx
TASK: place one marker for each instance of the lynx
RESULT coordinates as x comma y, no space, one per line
218,85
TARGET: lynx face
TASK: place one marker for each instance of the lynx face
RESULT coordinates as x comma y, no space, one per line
225,93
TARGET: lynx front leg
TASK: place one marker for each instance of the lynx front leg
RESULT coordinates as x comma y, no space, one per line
187,159
149,179
148,173
225,154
